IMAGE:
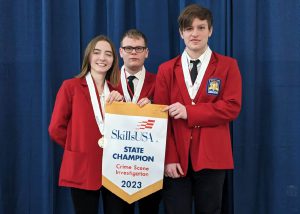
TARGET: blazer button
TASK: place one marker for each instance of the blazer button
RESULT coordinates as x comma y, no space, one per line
191,137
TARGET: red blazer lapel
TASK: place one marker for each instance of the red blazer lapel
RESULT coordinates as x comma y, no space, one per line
85,90
148,86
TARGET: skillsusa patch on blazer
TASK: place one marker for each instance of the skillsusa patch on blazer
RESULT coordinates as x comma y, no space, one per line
213,86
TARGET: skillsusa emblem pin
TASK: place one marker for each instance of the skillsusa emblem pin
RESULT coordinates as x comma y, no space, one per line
213,86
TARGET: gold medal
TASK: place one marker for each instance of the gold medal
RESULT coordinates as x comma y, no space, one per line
101,142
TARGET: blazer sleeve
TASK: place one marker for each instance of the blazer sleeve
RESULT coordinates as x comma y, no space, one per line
162,96
225,109
61,116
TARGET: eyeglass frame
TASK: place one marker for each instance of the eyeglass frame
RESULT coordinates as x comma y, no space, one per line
126,49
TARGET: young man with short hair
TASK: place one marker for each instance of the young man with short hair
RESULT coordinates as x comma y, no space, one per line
137,86
203,92
136,83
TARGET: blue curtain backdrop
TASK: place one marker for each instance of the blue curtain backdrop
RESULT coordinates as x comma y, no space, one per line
42,42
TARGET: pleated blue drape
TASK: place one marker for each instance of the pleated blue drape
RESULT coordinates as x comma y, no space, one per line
42,43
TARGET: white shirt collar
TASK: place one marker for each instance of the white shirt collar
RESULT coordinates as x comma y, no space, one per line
137,75
201,57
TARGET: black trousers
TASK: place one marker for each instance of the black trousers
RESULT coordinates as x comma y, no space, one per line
203,189
112,204
150,204
85,201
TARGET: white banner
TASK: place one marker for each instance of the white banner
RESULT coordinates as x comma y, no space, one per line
134,152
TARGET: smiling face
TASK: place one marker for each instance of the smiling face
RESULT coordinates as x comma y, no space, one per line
133,61
196,37
101,58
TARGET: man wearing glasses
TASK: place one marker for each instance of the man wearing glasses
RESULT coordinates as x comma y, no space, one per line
136,83
137,86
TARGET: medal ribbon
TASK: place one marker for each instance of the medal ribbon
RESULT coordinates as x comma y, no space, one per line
138,89
95,102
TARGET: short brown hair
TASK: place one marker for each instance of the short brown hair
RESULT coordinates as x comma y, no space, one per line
134,34
113,73
191,12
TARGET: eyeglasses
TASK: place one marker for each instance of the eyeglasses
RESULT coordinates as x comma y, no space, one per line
138,49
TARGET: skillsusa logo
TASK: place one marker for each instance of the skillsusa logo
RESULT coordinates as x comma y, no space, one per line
148,124
142,132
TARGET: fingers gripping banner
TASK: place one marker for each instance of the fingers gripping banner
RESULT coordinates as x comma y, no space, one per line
134,150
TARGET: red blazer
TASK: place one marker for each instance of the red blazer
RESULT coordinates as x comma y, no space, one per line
205,135
73,126
148,86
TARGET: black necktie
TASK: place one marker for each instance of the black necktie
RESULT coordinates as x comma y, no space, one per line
130,84
194,71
